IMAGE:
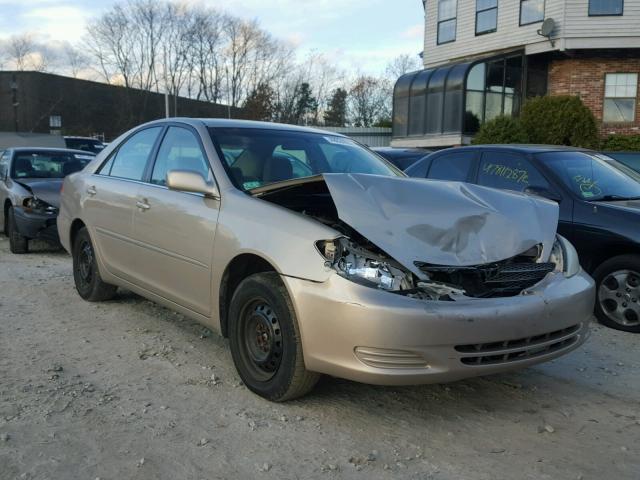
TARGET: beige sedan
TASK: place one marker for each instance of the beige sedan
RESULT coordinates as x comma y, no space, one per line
315,256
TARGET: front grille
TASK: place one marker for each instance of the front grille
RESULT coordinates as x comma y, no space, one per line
500,279
521,349
385,358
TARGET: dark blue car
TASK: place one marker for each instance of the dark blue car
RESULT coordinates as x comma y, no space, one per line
599,200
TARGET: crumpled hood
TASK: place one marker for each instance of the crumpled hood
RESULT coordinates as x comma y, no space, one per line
442,223
46,190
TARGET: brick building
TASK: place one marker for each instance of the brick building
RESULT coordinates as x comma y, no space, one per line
45,103
484,58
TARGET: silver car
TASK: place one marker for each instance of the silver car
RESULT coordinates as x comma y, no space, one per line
315,256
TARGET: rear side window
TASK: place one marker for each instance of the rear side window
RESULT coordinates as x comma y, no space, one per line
4,165
509,171
180,150
131,158
452,166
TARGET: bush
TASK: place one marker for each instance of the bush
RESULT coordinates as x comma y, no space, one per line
620,143
501,130
562,120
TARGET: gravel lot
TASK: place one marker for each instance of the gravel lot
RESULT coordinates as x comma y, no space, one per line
127,389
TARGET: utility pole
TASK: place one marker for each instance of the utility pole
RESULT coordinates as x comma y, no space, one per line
14,91
166,105
226,70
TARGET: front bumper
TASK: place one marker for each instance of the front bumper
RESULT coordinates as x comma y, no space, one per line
36,225
372,336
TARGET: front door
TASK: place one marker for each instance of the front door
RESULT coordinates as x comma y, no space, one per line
175,230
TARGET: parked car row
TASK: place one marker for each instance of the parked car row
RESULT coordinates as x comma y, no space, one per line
314,255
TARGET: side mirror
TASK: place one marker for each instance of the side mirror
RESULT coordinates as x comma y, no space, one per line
543,192
190,181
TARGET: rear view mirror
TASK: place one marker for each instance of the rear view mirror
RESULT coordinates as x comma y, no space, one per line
543,192
190,181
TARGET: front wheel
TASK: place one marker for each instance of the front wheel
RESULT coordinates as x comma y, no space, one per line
86,276
17,243
618,300
265,339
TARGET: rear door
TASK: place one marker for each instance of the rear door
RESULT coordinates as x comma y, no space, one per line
110,200
175,230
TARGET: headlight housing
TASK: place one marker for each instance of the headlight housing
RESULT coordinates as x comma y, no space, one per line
35,205
564,255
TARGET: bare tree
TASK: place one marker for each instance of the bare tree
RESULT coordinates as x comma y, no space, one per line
401,65
74,60
370,101
23,52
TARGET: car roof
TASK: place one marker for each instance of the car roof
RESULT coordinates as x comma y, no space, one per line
523,148
75,137
229,123
45,149
401,150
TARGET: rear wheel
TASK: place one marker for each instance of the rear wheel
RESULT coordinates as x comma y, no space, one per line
17,243
265,339
86,276
618,301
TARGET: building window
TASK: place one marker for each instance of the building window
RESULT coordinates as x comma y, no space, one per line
486,16
621,90
531,11
55,121
447,20
605,7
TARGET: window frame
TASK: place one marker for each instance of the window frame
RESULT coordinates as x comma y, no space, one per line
485,32
635,99
454,18
605,14
152,154
544,14
148,173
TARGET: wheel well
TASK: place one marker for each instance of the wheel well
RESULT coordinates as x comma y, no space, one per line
598,258
76,225
238,269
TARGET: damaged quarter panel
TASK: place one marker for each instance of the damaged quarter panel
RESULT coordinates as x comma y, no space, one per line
442,223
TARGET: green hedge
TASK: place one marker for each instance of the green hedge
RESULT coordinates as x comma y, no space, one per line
562,120
501,130
621,143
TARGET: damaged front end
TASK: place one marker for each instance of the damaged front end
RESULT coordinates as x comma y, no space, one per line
440,241
511,277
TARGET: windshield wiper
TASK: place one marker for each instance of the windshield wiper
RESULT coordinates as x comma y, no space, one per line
613,198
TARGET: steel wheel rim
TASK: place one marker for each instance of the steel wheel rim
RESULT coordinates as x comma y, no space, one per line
261,337
619,297
85,262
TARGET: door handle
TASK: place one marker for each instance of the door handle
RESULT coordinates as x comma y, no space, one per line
91,191
143,205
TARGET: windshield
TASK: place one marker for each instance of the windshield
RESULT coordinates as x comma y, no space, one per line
86,144
43,164
257,157
593,176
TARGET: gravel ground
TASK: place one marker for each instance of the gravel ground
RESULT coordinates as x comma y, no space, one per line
127,389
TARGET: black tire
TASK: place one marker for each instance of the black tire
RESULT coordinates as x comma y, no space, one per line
618,293
17,243
86,276
265,339
5,227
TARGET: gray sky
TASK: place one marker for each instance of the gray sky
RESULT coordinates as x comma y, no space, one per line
361,35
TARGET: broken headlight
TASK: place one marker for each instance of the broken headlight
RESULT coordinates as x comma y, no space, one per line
35,205
363,266
564,255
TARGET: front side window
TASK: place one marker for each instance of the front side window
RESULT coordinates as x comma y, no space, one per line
593,177
454,167
606,7
531,11
257,157
131,158
486,16
509,171
447,11
47,164
180,150
621,90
